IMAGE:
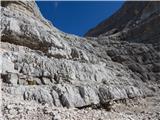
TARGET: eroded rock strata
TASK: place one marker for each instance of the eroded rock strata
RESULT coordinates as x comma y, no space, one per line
136,21
48,74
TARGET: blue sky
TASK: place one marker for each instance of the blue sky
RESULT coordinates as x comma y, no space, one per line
77,17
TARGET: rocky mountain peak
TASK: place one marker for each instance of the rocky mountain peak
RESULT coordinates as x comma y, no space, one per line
136,19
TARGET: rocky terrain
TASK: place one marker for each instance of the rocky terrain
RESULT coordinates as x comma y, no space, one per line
52,75
134,21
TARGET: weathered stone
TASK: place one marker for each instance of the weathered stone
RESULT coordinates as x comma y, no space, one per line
48,67
38,94
156,68
46,81
10,78
56,99
90,95
38,81
70,97
6,65
75,53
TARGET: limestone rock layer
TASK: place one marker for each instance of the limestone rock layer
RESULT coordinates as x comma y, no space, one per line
45,66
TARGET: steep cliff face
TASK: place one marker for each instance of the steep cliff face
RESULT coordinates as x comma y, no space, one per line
43,68
136,21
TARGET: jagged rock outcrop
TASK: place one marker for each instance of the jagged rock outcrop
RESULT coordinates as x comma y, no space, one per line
134,21
41,64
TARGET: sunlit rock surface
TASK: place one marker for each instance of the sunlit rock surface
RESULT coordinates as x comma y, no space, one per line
43,68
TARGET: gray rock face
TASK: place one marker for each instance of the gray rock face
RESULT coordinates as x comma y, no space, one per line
10,78
134,21
44,65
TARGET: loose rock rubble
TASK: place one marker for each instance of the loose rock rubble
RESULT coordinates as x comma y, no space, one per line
48,74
